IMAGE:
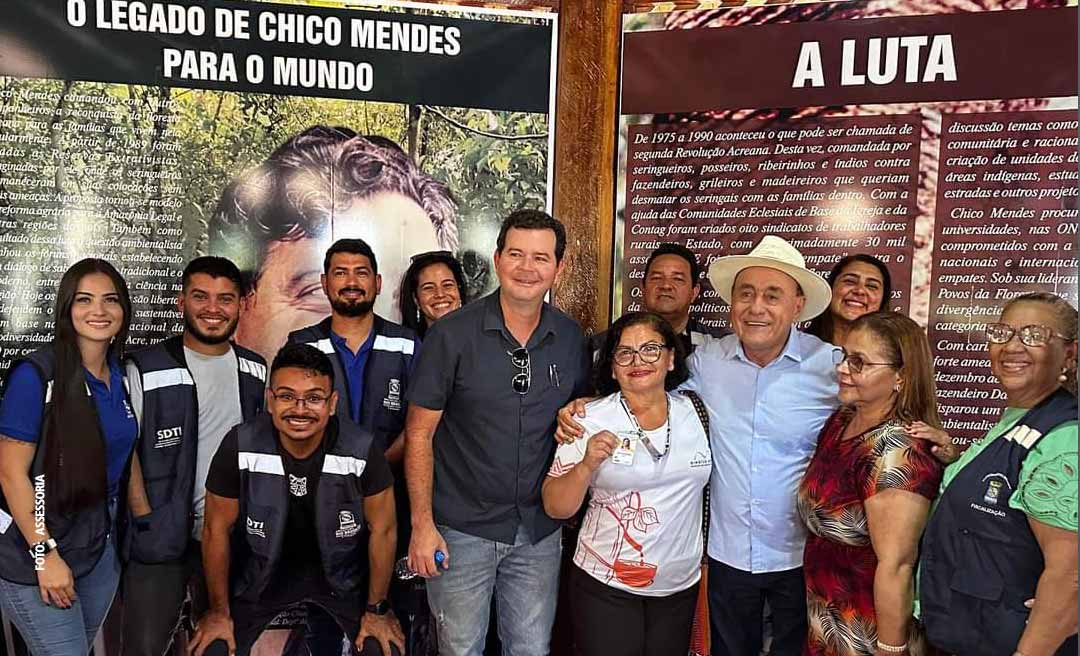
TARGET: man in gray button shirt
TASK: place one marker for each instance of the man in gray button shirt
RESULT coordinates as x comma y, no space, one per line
479,440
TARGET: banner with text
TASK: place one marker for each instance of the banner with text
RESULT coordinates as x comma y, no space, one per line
149,132
942,144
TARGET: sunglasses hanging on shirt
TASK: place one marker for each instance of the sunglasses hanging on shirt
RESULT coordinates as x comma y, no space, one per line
519,357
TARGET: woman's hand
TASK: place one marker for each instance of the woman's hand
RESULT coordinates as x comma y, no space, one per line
599,449
943,449
55,582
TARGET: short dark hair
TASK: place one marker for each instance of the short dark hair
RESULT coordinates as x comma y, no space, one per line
302,356
603,380
410,313
293,193
215,267
352,247
669,248
533,220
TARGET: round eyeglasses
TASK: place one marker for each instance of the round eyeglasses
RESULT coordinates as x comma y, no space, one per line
648,353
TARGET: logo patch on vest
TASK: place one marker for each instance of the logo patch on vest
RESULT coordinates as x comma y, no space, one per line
169,437
256,528
298,485
393,395
997,484
347,526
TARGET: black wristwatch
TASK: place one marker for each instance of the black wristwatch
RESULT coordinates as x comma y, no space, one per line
379,608
39,549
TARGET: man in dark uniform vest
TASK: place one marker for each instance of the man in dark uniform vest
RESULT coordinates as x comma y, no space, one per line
671,285
186,392
372,358
308,496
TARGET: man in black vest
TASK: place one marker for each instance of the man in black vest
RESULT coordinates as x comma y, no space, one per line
310,492
187,392
371,356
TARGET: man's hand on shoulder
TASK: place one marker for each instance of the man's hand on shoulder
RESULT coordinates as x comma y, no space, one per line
569,430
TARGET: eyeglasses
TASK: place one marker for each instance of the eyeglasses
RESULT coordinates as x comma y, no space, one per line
855,362
313,401
1030,335
649,353
520,358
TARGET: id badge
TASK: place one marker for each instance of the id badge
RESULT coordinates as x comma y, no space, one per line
624,453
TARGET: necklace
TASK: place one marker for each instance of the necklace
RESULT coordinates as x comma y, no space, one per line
642,437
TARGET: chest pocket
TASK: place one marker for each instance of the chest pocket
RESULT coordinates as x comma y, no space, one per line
162,446
341,524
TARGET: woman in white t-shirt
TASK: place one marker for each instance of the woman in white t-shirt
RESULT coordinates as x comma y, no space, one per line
645,461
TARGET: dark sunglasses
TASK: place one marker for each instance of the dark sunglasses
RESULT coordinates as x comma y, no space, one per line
519,357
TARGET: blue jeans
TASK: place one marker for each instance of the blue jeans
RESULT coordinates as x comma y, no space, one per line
52,631
524,578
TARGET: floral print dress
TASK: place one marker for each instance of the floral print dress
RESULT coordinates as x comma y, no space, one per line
839,561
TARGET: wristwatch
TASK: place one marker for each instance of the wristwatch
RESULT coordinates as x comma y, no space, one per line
39,549
379,608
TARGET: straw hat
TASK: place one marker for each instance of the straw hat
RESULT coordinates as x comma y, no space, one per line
774,253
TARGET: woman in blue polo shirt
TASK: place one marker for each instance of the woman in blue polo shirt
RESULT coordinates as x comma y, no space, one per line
66,434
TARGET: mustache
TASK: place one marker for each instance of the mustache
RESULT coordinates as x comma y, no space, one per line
296,416
344,290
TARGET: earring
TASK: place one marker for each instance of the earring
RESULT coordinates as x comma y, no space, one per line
1064,375
896,387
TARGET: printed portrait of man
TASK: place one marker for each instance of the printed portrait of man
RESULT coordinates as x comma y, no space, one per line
276,221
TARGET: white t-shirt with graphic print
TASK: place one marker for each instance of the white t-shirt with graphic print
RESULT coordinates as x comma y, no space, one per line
642,529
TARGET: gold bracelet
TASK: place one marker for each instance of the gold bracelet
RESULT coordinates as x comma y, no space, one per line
892,649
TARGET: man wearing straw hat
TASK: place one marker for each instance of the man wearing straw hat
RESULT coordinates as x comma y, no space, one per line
769,389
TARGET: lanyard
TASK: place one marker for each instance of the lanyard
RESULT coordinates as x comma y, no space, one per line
642,437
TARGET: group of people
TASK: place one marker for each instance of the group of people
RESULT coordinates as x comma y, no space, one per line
836,506
760,472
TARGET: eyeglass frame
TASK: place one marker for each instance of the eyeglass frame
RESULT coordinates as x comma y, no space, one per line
304,401
1019,332
858,369
525,373
636,353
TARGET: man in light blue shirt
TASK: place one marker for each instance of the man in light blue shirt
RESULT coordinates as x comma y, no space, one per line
769,389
